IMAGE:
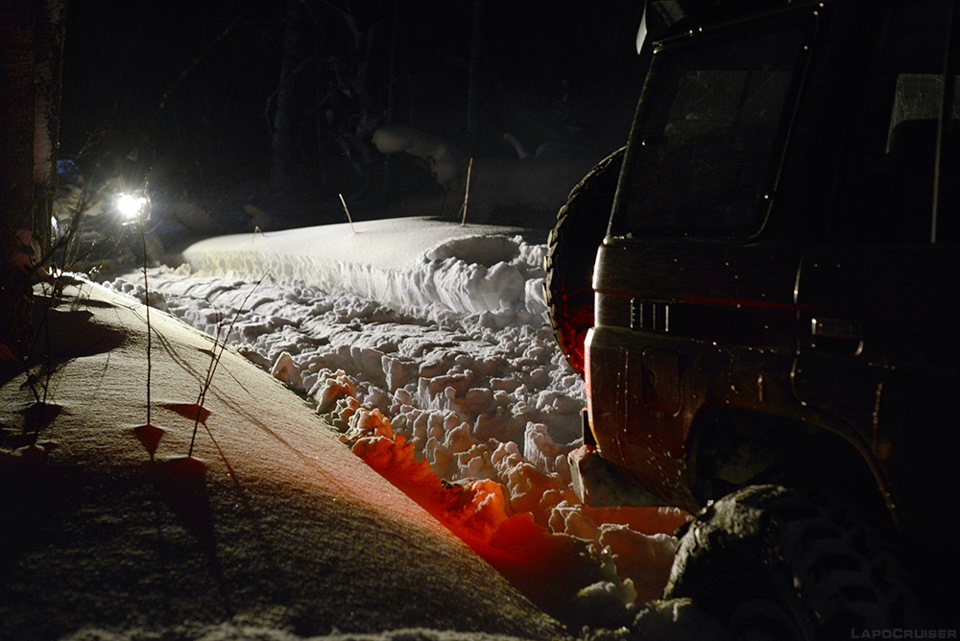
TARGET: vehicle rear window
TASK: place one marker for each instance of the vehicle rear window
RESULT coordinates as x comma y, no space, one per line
902,185
710,131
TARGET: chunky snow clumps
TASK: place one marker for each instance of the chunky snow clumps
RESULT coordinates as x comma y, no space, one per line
427,347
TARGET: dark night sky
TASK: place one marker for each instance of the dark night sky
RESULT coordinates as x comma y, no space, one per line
554,71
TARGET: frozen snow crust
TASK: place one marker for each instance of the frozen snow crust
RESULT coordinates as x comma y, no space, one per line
424,344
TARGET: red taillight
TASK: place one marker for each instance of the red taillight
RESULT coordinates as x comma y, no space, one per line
587,385
586,362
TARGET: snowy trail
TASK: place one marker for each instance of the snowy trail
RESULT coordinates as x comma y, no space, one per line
459,381
495,368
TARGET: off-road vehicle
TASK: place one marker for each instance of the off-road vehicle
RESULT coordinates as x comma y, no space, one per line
760,291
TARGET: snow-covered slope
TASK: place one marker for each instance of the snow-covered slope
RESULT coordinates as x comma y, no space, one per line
272,529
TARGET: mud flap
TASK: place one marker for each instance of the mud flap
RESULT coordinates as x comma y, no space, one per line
599,484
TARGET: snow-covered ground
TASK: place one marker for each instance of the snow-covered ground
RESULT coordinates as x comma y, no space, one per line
422,348
234,514
426,345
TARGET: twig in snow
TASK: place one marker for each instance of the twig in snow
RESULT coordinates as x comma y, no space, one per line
215,356
466,194
146,300
346,210
148,434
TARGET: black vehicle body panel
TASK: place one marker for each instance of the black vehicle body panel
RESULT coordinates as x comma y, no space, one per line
825,312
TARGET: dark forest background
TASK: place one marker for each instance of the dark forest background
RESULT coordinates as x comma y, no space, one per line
274,102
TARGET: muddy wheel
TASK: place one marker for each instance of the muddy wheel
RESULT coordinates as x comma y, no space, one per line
778,564
571,251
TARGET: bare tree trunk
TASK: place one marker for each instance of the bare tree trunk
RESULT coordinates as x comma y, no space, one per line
284,128
16,116
16,169
396,28
475,87
48,74
31,36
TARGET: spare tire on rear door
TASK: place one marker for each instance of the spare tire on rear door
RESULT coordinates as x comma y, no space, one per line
571,251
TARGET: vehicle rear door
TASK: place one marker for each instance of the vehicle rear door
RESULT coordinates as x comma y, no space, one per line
878,348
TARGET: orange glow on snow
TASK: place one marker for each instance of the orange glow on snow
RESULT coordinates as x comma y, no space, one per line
540,564
549,568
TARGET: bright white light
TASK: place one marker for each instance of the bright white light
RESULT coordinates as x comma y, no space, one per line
129,206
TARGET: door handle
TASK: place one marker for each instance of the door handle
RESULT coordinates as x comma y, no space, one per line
837,334
836,328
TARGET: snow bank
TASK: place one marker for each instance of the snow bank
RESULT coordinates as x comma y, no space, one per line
398,262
